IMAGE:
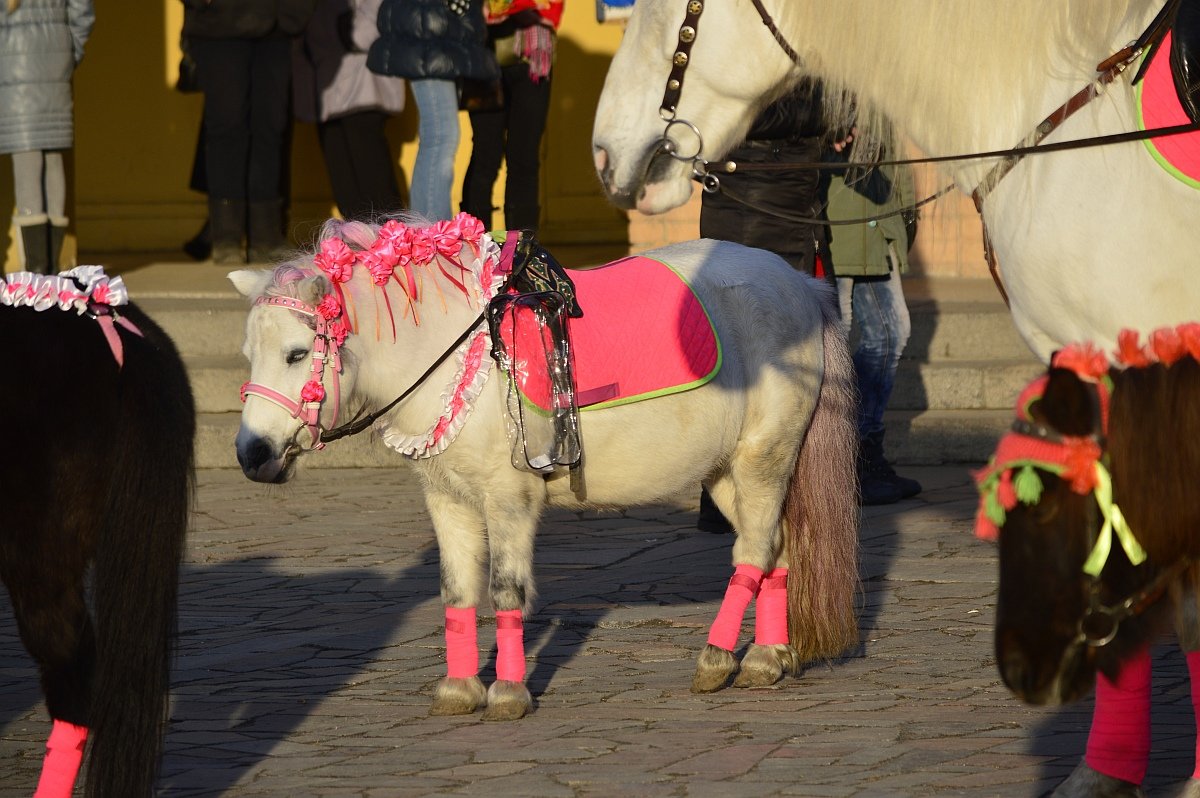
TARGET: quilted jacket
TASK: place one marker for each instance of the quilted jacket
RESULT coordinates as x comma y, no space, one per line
40,44
426,39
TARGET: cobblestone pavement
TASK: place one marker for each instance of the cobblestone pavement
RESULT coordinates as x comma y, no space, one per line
311,640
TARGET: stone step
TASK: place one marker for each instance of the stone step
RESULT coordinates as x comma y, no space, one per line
200,326
961,384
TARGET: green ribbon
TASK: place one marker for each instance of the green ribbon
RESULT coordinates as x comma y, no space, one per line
1114,522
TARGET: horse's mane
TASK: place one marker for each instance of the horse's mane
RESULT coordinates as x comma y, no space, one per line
906,63
1154,446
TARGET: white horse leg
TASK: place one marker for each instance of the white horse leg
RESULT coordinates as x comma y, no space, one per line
769,657
761,468
717,663
762,475
460,535
512,521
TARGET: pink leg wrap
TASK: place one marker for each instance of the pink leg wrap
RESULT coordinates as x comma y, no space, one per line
1193,663
770,614
462,646
1119,743
510,646
742,587
64,752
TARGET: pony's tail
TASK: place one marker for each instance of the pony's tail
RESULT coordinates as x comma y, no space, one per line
821,513
138,552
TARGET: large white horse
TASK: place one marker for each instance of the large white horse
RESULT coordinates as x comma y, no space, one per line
1088,241
771,433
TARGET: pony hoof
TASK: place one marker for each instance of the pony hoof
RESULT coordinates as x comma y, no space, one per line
458,696
713,669
507,701
763,666
1084,781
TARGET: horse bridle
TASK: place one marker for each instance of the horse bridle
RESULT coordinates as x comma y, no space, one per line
325,350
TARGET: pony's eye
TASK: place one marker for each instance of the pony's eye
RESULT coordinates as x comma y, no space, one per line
296,355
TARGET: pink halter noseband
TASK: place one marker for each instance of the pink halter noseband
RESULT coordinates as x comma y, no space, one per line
325,348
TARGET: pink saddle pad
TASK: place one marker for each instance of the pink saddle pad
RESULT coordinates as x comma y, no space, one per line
643,334
1158,106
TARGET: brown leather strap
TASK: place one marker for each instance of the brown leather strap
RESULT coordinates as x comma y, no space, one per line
679,61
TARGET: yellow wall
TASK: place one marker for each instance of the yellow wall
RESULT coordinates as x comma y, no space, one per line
135,137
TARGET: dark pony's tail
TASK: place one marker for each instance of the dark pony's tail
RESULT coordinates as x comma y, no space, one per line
821,512
138,551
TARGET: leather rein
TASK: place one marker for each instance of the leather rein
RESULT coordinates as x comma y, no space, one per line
706,173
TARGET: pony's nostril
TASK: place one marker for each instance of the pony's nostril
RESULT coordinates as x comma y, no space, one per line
252,455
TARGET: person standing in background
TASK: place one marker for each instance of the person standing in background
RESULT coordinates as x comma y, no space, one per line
350,105
243,53
523,34
870,258
41,43
433,43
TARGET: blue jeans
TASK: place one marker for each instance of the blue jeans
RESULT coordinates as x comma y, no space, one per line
877,304
437,143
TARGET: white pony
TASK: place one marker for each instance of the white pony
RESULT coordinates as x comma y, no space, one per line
771,434
1088,241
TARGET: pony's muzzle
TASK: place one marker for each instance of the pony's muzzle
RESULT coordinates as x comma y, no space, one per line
261,462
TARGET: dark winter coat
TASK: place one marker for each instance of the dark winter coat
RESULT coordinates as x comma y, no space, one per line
425,39
744,210
40,44
245,19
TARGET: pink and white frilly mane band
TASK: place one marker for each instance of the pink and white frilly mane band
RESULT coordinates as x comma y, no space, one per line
457,249
84,289
1010,475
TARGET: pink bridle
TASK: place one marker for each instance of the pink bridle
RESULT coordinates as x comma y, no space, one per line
325,348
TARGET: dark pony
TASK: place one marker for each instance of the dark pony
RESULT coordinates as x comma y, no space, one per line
1074,598
97,474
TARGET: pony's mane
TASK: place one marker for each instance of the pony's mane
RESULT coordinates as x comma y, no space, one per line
401,256
972,53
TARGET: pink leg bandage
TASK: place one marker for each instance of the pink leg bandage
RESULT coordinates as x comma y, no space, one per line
743,585
64,752
462,645
1119,743
1193,663
770,613
510,646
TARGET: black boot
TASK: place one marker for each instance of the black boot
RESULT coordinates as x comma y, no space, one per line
33,243
58,236
266,227
522,217
199,246
1185,56
227,224
711,519
875,471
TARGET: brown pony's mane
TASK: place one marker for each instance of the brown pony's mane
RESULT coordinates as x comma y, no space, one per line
1154,453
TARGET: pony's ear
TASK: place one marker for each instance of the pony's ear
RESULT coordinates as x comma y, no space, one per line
250,283
313,289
